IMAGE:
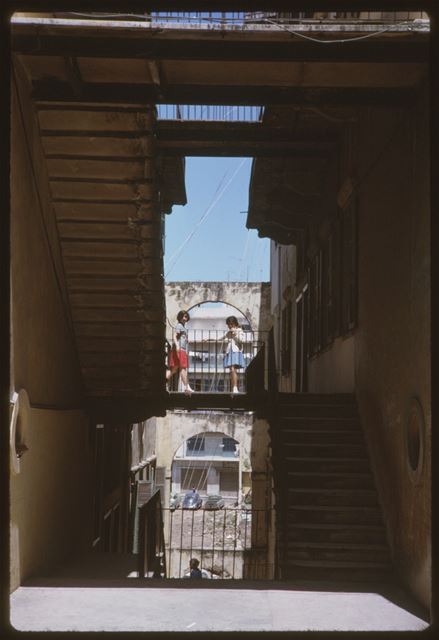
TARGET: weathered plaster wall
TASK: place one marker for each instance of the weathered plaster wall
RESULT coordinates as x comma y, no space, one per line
49,501
333,370
251,298
50,517
392,342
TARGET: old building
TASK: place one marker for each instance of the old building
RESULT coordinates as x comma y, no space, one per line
341,184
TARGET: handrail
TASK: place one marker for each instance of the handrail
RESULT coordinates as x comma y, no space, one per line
212,353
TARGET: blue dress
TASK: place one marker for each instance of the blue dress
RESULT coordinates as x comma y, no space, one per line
234,358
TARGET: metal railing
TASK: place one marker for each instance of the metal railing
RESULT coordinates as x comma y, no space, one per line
240,20
210,112
229,543
209,357
252,21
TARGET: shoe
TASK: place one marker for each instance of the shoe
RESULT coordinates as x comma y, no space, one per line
235,390
188,391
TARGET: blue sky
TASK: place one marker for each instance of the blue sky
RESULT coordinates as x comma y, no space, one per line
207,239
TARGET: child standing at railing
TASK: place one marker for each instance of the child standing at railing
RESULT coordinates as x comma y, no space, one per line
234,357
178,357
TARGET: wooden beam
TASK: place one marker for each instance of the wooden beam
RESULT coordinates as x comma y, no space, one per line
241,149
216,45
54,90
143,6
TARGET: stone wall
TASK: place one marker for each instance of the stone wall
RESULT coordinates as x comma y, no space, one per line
251,298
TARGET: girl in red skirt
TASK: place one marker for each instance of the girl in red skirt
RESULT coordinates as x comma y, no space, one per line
178,357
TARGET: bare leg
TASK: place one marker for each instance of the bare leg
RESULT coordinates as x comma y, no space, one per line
171,372
185,381
233,378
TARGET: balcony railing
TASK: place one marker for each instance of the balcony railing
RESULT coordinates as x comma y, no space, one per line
207,351
232,542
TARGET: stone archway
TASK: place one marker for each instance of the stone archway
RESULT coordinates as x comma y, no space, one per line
251,298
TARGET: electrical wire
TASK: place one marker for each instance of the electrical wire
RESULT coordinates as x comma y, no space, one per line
341,40
177,253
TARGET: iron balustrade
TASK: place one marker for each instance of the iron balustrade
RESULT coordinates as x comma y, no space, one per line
242,20
230,543
207,349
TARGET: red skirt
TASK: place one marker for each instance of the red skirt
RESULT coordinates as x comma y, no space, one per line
178,359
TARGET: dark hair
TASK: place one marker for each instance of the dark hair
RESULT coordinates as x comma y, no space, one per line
181,314
194,563
232,320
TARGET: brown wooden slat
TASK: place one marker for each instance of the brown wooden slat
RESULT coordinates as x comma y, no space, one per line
93,231
98,211
105,359
99,194
93,120
113,250
111,330
119,283
114,315
101,344
103,300
102,168
92,146
106,267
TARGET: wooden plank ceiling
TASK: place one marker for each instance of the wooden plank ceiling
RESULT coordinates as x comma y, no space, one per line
108,203
109,192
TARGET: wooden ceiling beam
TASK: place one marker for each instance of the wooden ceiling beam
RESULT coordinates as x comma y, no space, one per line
242,149
55,90
279,46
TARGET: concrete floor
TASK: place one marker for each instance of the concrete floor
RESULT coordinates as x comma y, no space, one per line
54,604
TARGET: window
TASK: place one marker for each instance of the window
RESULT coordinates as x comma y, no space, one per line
286,338
315,288
196,443
332,277
349,269
328,293
229,444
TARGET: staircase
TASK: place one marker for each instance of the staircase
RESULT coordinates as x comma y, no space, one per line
330,526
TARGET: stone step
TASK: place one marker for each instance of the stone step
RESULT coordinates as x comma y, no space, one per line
328,464
367,534
352,480
310,423
316,398
329,450
336,552
332,497
333,514
338,572
316,436
317,411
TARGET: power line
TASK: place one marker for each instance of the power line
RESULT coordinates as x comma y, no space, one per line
177,253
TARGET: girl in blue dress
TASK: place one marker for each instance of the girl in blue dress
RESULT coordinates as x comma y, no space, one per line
234,357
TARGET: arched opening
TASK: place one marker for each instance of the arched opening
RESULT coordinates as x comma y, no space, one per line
220,346
210,464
